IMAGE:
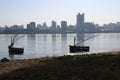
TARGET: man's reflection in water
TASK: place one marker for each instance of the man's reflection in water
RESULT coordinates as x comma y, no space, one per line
11,56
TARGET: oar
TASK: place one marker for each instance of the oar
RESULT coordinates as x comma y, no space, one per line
87,39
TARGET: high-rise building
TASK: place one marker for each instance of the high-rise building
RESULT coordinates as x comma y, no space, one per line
53,25
17,27
80,20
31,26
39,26
63,26
44,25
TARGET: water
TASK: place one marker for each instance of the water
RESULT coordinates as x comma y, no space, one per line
42,45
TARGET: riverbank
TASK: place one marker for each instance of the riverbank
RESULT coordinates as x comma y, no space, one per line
100,66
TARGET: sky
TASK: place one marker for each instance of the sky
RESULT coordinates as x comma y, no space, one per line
24,11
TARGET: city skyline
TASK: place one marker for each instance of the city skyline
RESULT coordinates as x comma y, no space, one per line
80,27
24,11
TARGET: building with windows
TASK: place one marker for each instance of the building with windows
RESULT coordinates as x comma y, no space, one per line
31,26
80,22
63,26
53,25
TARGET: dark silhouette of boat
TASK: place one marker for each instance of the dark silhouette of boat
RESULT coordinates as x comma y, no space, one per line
14,50
75,48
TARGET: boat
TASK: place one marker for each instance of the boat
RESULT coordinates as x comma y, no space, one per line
76,48
13,50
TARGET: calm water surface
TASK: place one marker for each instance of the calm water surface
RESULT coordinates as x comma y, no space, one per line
41,45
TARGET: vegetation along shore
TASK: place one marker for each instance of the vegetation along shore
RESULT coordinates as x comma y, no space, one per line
100,66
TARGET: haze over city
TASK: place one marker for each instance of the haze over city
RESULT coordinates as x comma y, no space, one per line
40,11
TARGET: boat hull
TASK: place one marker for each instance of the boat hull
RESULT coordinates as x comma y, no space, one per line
16,50
74,49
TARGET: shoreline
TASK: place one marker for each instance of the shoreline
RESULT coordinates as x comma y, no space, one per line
6,67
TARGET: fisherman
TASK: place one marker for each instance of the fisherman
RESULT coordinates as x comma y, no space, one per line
74,41
10,46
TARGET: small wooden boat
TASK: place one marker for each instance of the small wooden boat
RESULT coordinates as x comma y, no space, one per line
75,48
13,50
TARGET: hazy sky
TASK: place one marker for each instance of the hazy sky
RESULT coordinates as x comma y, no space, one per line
24,11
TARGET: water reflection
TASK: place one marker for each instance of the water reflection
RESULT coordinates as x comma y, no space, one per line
54,44
53,38
63,42
80,39
11,56
40,45
45,38
31,41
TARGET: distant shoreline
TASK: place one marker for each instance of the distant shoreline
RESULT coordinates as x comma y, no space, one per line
63,33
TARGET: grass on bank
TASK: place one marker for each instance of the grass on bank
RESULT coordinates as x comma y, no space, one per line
77,67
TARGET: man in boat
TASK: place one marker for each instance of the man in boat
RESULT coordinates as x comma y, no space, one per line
74,41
